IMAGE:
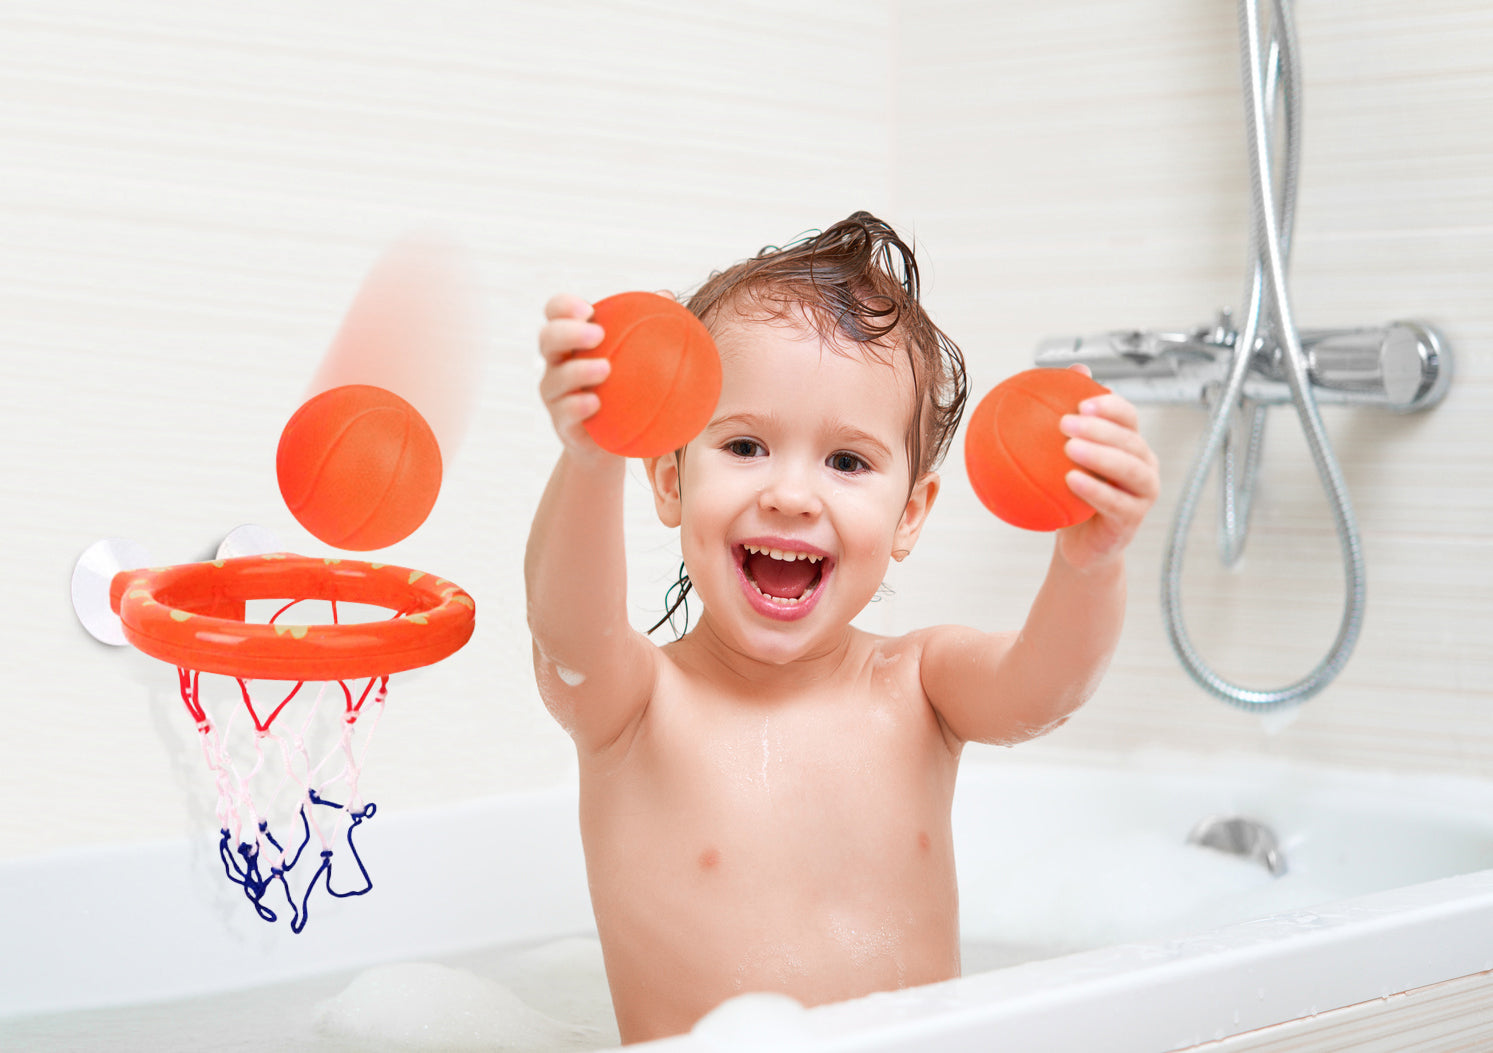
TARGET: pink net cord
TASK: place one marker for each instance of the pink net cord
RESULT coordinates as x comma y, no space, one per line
285,778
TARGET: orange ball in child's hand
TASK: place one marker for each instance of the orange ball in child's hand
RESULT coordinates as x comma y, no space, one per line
1013,450
665,379
358,467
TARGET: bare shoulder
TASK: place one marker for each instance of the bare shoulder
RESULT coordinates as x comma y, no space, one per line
937,644
600,699
965,676
905,652
896,668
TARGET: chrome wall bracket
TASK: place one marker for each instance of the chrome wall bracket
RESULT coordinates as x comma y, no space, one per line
1403,367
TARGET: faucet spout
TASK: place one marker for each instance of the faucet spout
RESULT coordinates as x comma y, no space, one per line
1404,367
1149,365
1122,353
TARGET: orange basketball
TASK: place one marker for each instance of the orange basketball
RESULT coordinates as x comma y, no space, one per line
359,467
665,379
1013,450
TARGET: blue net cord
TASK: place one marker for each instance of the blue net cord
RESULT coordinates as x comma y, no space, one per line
277,874
241,864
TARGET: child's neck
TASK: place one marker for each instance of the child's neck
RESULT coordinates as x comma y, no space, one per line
722,660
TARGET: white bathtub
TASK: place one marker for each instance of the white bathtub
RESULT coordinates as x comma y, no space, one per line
1127,938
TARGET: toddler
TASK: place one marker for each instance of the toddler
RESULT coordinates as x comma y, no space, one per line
765,802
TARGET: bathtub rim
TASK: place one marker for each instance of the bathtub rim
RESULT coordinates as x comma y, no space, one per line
1139,982
1149,997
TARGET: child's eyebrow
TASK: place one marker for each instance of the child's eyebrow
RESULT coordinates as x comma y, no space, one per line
853,436
746,421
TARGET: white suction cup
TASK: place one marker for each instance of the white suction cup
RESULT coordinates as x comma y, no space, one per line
249,540
92,576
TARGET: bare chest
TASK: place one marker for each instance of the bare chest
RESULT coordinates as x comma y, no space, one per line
804,850
835,781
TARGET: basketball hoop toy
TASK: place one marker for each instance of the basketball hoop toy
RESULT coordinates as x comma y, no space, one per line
359,465
288,800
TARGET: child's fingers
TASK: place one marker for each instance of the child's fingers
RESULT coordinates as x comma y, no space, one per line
562,336
1106,432
1118,475
1116,505
1111,407
567,305
1117,465
569,411
568,384
572,375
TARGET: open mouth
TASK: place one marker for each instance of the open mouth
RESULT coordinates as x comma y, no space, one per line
782,581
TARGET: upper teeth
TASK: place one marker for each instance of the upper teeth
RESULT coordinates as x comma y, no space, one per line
777,553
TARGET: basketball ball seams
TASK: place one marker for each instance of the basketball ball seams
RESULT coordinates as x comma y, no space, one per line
419,496
338,442
346,445
637,355
1000,426
1015,451
359,467
391,476
683,378
665,378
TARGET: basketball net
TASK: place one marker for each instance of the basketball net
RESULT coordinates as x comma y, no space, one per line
286,755
286,770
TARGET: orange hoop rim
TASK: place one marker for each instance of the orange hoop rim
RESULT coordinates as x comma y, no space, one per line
192,615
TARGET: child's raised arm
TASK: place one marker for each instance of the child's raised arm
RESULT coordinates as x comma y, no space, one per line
595,672
1007,687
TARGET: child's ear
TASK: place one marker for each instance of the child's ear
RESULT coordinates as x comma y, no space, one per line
919,503
663,473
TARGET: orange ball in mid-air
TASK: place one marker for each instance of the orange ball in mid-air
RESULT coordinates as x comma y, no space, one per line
358,467
665,380
1013,450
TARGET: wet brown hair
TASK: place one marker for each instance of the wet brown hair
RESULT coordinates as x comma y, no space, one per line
858,281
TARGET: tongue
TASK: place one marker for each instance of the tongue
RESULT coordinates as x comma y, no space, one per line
780,578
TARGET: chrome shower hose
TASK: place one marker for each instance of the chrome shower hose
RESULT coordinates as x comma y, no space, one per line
1268,74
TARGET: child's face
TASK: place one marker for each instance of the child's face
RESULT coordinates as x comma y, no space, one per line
807,456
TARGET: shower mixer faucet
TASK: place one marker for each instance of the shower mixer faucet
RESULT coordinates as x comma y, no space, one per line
1404,366
1238,371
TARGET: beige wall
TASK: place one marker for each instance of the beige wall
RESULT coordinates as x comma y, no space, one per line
189,198
1081,168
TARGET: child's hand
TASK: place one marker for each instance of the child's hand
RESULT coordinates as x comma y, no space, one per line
567,384
1120,479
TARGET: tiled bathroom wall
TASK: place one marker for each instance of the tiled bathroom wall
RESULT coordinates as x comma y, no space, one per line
190,196
1082,168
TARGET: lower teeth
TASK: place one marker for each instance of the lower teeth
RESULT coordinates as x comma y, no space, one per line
786,601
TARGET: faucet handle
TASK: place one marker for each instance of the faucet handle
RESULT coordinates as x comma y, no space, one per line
1405,367
1123,353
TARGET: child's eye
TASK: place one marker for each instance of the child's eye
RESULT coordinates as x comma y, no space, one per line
848,463
744,447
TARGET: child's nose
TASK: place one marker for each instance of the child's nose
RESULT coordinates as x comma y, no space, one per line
792,492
